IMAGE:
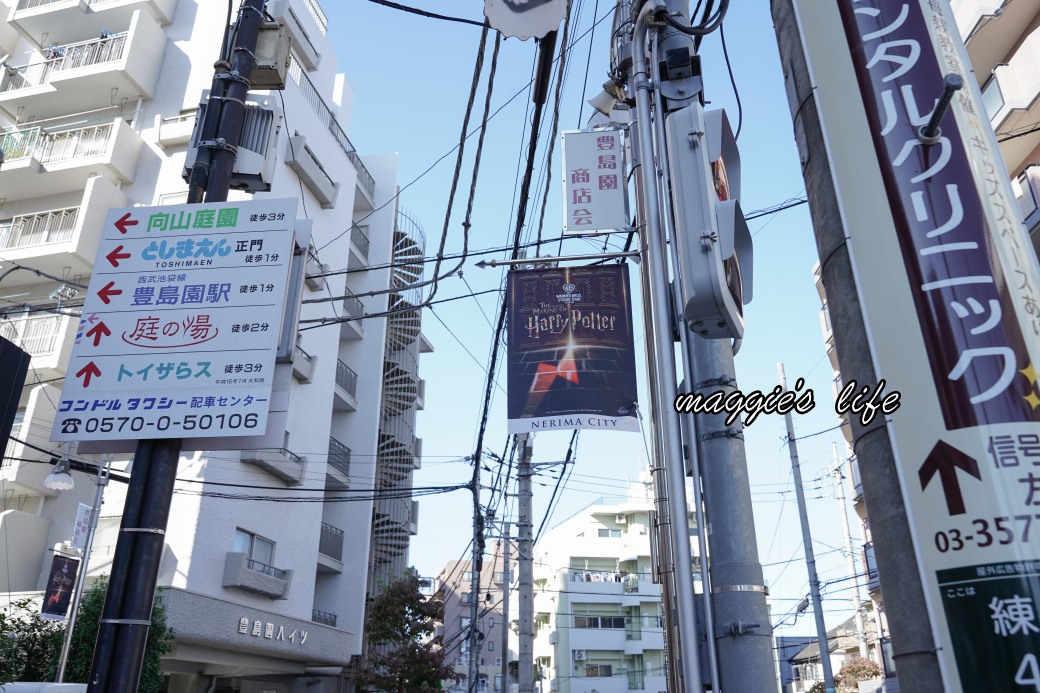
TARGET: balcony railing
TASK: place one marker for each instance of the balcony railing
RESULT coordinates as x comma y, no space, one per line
319,16
328,119
346,378
33,229
323,617
872,575
353,307
331,541
50,148
339,456
360,240
37,335
258,567
19,144
68,57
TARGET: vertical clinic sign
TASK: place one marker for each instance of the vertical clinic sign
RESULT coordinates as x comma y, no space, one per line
594,194
949,288
571,354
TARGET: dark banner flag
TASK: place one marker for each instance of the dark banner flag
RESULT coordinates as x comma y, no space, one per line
571,354
60,583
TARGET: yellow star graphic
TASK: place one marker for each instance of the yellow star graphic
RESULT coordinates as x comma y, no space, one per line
1030,373
1033,400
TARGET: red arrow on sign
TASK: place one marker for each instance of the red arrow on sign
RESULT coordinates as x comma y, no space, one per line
88,371
945,460
106,291
98,331
115,256
124,221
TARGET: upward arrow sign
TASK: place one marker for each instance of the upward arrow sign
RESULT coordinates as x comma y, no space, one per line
945,460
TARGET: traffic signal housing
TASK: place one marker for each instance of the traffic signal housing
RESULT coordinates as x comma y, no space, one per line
711,236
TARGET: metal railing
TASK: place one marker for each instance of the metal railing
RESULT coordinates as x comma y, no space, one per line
323,617
302,355
291,456
319,15
346,378
353,307
68,57
19,144
360,240
339,456
331,541
259,567
37,335
328,119
50,148
33,229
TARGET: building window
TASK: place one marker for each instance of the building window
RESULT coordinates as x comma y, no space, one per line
598,670
491,645
599,621
258,550
609,532
491,622
465,597
465,623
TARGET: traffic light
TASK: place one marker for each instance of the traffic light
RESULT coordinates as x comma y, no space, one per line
711,236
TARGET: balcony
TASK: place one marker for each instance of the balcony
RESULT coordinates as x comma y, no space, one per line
857,482
1026,187
66,21
346,388
304,161
990,29
56,161
330,549
873,583
323,617
337,470
280,463
46,336
1012,99
93,74
359,246
351,329
176,131
58,240
241,572
303,365
366,184
302,20
313,273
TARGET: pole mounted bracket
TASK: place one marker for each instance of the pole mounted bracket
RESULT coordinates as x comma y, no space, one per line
233,76
145,530
219,143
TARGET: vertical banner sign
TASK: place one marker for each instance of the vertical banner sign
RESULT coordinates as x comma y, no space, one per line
595,197
81,527
60,583
179,331
950,291
571,351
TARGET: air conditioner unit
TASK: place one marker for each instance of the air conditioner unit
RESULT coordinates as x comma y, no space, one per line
256,154
498,661
621,519
579,655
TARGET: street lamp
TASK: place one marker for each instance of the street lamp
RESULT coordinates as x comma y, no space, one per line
61,480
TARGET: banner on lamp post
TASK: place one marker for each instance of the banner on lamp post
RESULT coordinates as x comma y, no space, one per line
571,351
61,583
595,197
81,527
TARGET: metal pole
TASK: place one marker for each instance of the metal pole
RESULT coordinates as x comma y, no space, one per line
123,631
525,556
666,375
81,578
476,558
857,603
912,639
506,584
810,557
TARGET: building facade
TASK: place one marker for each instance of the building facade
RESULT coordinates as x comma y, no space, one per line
264,584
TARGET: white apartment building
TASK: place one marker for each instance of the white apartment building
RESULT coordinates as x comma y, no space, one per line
98,100
597,610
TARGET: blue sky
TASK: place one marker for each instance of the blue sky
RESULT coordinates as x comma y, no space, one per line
412,76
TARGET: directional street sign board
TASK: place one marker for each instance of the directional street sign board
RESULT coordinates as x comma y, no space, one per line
179,331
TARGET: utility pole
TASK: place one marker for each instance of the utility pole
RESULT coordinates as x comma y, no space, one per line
525,559
126,618
506,584
476,561
810,556
857,604
912,639
670,453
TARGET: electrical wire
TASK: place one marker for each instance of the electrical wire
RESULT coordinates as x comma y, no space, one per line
430,15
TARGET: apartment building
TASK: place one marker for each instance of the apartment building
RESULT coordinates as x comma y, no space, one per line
1003,42
597,610
266,577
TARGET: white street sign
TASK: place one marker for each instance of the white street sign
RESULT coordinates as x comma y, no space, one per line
525,18
594,192
81,527
179,331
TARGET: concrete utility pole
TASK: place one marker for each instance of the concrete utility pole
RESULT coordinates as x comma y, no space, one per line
857,603
810,555
525,558
126,618
474,635
912,640
666,419
506,584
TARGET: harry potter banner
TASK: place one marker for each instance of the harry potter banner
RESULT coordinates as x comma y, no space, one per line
60,584
571,354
